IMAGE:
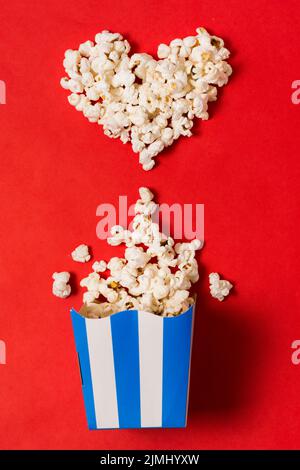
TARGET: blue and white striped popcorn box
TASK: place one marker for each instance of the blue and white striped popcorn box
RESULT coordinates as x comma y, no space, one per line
135,368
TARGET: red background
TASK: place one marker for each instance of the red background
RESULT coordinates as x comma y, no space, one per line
243,164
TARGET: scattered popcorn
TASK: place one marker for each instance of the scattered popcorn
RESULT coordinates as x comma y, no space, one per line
138,99
60,287
219,288
155,274
81,254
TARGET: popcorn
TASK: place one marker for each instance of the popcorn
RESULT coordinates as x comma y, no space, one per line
219,289
136,257
81,254
60,287
99,266
163,51
149,103
85,48
145,195
155,274
74,99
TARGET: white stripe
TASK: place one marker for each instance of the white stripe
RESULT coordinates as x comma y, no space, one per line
191,348
151,368
103,372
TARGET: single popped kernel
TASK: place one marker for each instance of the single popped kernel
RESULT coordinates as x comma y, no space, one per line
219,288
145,194
99,266
81,254
60,287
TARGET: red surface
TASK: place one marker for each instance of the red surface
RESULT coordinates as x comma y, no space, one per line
243,164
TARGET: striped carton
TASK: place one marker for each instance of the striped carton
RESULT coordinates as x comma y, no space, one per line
135,368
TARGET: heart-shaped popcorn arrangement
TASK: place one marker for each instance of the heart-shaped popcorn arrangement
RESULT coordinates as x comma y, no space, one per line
138,99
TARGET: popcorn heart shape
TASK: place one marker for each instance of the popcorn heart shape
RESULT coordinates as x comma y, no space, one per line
139,99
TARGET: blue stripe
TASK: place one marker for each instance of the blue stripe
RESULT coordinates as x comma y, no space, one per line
79,328
124,329
177,336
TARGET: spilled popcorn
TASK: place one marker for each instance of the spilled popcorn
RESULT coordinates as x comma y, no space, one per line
138,99
60,287
219,288
155,274
81,254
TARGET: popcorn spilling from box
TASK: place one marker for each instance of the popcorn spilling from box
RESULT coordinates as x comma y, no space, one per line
138,99
155,274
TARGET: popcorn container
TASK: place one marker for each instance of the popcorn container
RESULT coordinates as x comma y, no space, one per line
135,368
